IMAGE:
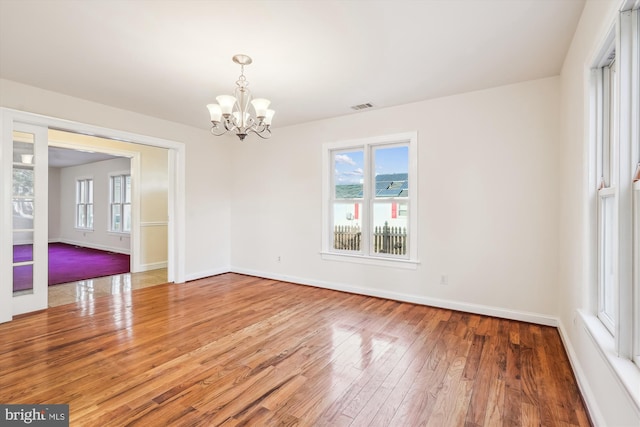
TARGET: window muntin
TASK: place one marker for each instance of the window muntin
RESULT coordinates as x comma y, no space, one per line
84,204
120,203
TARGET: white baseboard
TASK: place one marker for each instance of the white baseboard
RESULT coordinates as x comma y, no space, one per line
152,266
587,394
207,273
523,316
96,246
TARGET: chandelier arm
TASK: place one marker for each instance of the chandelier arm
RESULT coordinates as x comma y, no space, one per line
251,123
229,122
215,130
261,133
260,127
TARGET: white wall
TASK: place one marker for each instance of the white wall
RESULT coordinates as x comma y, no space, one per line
207,166
488,215
54,204
100,237
610,404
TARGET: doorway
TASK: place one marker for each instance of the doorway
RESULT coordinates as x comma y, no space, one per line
98,171
173,222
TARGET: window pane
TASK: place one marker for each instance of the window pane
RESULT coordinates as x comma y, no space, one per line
23,278
117,189
82,191
89,191
390,223
127,189
23,147
22,214
392,171
126,218
89,216
607,266
82,217
348,170
346,226
23,238
22,252
23,182
116,219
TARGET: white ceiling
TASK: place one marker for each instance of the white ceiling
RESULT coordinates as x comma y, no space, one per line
65,157
313,58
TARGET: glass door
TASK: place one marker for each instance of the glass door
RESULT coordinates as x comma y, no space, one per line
28,217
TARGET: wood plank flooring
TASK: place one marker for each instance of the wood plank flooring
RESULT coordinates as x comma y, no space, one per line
236,350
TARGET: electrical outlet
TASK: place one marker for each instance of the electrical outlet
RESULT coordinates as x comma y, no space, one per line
279,258
444,280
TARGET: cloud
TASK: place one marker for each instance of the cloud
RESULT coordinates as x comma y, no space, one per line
357,172
343,158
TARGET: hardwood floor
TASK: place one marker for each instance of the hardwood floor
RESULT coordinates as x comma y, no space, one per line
89,289
236,350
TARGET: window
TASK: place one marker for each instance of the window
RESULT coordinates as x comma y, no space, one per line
369,192
607,202
84,204
615,130
120,204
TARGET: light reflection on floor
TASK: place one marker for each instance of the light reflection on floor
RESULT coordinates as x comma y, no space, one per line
89,290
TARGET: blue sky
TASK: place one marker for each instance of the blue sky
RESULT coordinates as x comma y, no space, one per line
349,165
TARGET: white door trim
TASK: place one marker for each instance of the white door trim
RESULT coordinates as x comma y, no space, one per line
176,220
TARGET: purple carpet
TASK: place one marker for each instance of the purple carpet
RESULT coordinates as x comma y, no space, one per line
68,263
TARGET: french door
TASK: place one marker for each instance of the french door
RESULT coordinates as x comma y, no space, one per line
24,254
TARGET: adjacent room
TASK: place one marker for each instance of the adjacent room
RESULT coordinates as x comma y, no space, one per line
364,213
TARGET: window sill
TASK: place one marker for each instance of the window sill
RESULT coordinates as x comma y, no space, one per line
369,260
627,373
84,230
119,233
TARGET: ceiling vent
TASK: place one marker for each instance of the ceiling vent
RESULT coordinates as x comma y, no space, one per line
362,106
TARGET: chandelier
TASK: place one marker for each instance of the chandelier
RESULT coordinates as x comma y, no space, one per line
231,113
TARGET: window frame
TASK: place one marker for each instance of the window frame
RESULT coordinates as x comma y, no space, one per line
366,255
636,272
122,203
89,195
606,120
615,140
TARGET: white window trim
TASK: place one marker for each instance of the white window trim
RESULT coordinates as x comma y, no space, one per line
621,350
327,253
636,272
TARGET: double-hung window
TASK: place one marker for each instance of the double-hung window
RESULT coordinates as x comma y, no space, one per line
120,203
615,130
607,202
370,189
84,203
